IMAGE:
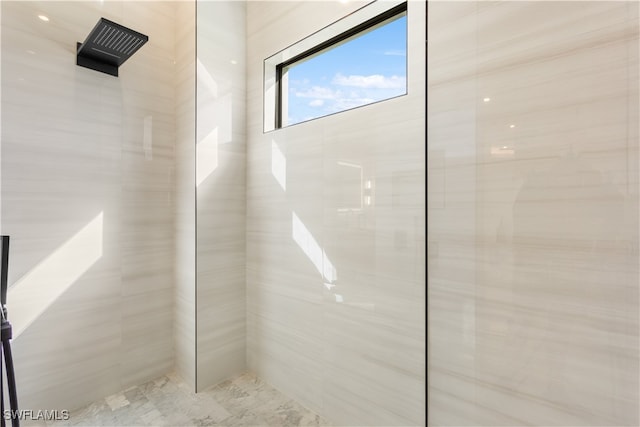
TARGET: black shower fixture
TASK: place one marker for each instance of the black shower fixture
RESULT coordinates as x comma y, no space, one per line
108,46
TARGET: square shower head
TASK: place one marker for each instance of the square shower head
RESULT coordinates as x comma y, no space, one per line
108,46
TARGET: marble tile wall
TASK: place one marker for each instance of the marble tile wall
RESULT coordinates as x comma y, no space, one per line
533,213
221,195
147,169
335,299
88,199
185,224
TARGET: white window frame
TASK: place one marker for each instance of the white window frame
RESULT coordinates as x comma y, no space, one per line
275,85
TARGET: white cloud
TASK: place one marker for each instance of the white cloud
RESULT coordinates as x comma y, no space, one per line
317,103
395,53
348,103
318,92
375,81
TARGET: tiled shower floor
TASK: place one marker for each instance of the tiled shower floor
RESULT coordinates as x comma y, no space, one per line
242,401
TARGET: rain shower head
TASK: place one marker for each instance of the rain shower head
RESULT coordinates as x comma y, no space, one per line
108,46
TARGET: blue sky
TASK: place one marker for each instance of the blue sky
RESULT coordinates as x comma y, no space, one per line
365,69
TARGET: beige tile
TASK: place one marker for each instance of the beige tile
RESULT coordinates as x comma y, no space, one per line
533,277
335,289
220,180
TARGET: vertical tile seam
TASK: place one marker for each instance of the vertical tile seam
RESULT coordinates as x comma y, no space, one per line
426,211
195,189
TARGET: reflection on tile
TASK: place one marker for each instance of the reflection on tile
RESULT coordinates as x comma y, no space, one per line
185,224
335,240
221,308
241,401
533,230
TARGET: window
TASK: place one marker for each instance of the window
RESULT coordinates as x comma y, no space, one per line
356,61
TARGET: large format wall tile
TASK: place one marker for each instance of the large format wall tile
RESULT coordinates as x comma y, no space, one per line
185,224
148,206
533,213
335,296
374,314
221,200
284,269
87,197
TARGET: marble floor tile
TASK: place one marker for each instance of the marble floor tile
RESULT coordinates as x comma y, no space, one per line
167,401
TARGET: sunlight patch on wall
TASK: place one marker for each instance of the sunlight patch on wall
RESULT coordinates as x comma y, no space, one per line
206,156
34,292
328,270
312,249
